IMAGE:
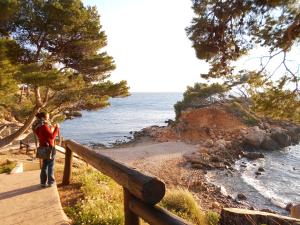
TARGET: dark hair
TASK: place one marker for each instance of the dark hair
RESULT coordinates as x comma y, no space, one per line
41,115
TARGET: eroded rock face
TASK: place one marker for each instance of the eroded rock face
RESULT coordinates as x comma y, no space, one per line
234,216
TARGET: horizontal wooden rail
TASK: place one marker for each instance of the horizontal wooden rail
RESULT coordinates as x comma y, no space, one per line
141,191
147,188
154,214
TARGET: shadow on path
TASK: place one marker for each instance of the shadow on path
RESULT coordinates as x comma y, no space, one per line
21,191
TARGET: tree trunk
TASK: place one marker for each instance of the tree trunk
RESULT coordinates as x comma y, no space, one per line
10,138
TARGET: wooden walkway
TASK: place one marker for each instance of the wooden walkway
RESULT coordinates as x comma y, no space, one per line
24,202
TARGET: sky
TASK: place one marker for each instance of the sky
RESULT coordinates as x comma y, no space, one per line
148,42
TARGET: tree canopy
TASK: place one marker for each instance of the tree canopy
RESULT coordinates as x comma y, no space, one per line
53,50
224,31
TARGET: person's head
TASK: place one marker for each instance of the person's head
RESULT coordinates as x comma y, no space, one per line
42,115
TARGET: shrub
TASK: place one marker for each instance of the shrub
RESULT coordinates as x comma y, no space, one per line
212,218
182,203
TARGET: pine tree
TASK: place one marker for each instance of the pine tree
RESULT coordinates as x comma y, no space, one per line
60,59
224,31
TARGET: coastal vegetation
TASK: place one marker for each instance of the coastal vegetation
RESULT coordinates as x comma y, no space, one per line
182,203
222,32
103,202
52,59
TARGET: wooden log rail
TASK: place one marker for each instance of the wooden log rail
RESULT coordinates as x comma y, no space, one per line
141,192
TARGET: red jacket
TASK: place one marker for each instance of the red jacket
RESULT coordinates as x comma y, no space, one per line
45,135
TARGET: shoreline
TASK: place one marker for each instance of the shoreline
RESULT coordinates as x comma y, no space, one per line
225,163
187,171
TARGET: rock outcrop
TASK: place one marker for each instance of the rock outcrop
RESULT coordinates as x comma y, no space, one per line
272,138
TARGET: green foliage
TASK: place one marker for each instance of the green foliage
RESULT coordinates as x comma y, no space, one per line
212,218
103,203
8,86
55,50
245,115
7,167
200,95
182,203
224,31
7,11
278,104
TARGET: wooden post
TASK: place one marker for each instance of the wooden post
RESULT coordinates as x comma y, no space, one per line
130,217
68,167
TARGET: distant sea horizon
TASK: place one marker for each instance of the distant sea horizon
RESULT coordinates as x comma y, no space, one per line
122,117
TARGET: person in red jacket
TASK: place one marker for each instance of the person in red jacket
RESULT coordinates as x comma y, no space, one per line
46,136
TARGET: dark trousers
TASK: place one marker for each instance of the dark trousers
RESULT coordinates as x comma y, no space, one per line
47,171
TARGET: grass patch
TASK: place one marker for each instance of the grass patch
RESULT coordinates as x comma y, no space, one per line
103,202
7,167
182,203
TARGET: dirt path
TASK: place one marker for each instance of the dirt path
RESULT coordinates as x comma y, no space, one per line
154,153
164,160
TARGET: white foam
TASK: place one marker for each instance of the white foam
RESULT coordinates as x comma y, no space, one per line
264,191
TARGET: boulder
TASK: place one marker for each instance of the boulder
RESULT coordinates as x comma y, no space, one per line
269,144
220,144
234,216
241,196
253,155
294,133
209,143
215,205
254,137
289,206
281,137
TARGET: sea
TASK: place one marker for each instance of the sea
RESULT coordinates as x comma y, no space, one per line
278,185
124,116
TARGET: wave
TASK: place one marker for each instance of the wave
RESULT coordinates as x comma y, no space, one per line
265,192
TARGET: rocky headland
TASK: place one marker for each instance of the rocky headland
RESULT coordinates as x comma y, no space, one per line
224,134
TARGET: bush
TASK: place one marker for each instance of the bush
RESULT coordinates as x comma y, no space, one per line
182,203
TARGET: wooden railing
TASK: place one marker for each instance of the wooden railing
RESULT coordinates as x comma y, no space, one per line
141,192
